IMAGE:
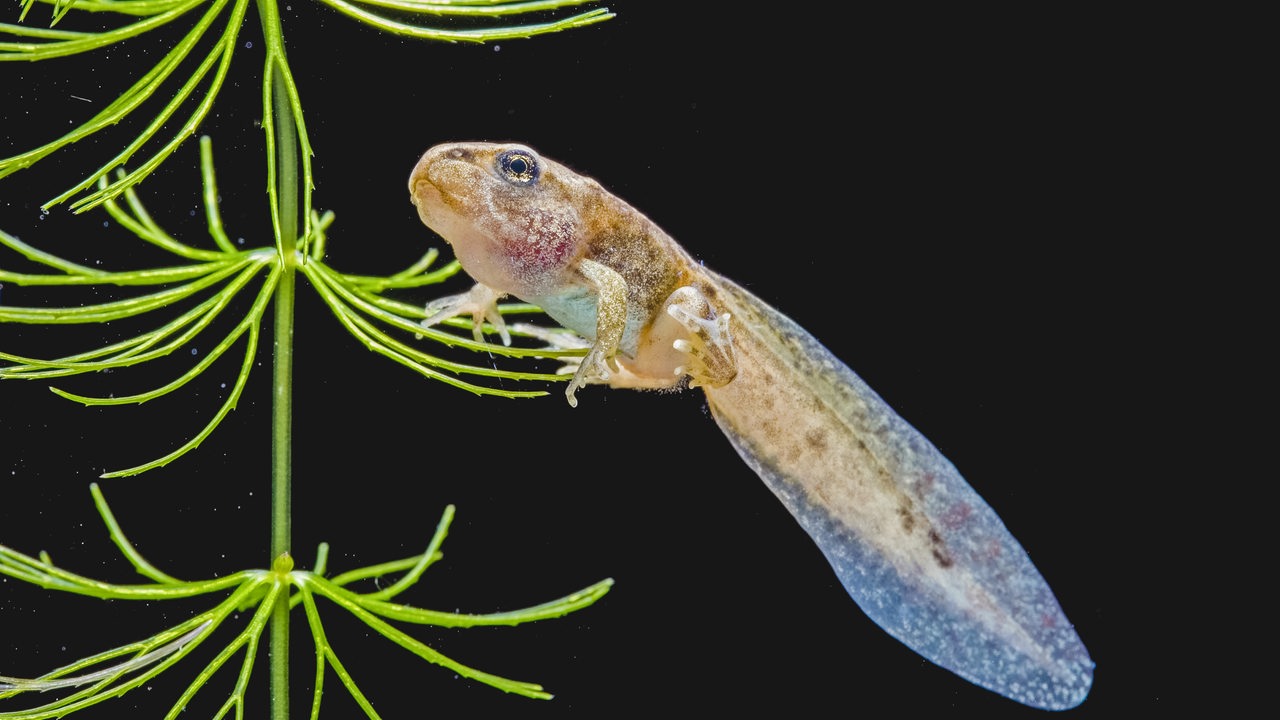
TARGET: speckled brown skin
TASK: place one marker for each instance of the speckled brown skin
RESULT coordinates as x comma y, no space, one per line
912,542
592,262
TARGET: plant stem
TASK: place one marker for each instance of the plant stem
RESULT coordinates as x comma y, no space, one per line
282,406
283,126
282,428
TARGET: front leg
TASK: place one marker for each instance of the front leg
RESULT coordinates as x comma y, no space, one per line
480,302
611,319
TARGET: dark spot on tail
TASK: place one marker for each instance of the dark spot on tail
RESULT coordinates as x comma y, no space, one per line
817,440
769,428
940,550
908,519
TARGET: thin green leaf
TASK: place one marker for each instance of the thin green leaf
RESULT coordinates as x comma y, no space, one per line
222,52
477,35
325,653
76,43
210,183
116,309
484,8
135,350
399,637
233,397
144,568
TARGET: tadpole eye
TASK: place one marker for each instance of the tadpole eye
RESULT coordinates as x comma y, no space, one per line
519,167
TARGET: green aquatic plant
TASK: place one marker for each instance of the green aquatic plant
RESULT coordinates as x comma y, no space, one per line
201,292
108,674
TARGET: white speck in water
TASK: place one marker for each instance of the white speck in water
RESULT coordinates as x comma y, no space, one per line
194,351
497,48
248,44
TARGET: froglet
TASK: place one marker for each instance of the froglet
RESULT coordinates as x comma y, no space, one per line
919,551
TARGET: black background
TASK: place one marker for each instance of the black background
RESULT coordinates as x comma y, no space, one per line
971,209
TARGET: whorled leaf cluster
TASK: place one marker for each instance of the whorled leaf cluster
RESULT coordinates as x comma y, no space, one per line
201,293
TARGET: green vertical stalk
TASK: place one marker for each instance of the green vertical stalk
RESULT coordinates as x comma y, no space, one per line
282,406
282,183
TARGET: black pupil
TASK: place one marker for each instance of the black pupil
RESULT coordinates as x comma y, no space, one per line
519,167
